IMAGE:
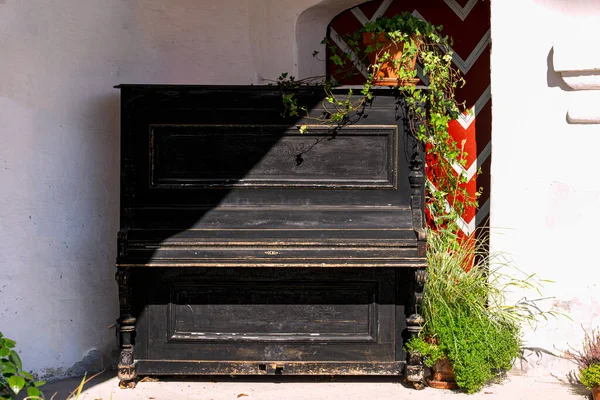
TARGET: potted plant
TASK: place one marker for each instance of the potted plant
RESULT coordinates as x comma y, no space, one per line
588,361
375,47
442,373
392,46
430,107
469,324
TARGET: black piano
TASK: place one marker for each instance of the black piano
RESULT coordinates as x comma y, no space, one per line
250,246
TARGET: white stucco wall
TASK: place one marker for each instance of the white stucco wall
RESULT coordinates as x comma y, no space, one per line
545,187
59,163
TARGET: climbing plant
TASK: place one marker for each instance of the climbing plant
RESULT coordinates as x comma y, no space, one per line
430,107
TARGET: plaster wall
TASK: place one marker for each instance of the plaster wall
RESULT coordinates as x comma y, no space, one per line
545,187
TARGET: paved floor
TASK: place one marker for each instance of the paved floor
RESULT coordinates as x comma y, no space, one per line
315,388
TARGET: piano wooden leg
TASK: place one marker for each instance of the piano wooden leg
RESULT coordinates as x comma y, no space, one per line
126,331
414,365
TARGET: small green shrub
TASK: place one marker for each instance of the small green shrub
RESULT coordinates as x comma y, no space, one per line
479,348
429,351
590,376
12,377
466,311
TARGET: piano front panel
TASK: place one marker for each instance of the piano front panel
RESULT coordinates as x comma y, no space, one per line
272,156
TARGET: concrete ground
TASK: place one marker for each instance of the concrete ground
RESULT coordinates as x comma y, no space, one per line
105,387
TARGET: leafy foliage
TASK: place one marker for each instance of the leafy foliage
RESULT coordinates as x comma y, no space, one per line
430,108
466,310
405,24
430,352
588,359
13,379
590,376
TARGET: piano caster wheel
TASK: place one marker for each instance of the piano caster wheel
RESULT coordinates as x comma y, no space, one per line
418,385
127,384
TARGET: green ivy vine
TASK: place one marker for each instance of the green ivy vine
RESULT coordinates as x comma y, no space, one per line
431,107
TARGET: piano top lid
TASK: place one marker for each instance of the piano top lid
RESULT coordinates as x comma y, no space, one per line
379,89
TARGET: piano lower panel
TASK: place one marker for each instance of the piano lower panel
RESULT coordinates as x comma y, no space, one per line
260,315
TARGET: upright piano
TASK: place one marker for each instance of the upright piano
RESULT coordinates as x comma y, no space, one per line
253,242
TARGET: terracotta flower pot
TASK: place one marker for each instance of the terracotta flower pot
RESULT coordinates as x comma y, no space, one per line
596,392
387,74
442,375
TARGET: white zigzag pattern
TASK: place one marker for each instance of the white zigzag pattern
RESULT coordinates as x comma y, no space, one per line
382,9
465,65
462,12
472,171
466,121
362,18
467,227
337,39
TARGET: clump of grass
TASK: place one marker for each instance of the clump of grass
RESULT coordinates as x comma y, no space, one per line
466,311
